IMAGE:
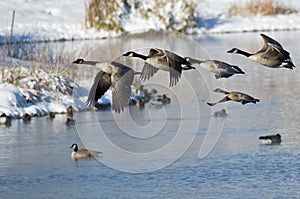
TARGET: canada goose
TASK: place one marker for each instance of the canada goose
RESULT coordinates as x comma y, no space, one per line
221,113
82,153
164,99
51,115
271,54
115,75
155,105
221,69
70,112
271,139
5,120
234,96
163,60
26,117
70,121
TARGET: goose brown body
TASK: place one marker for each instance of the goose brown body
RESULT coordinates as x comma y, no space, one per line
272,54
234,96
158,59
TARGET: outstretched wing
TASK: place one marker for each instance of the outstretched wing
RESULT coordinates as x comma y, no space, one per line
101,84
277,46
122,79
148,71
225,99
174,62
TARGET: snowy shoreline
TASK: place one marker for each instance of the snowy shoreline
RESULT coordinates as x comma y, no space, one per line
37,21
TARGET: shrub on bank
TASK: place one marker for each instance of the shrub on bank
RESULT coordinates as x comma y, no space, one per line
260,7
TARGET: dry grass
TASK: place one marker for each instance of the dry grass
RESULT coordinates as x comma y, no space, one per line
100,14
260,7
37,56
108,14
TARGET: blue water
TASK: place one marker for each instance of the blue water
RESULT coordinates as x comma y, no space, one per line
36,162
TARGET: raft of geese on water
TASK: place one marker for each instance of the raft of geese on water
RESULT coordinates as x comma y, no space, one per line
119,77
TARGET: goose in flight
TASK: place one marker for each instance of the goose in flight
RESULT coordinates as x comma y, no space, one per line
271,139
271,54
221,69
116,76
234,96
158,59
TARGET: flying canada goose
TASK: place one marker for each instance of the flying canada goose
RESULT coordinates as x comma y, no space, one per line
116,76
158,59
221,69
271,54
271,139
82,153
234,96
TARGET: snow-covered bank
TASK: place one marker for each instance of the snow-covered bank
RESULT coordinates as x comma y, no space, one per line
64,20
37,93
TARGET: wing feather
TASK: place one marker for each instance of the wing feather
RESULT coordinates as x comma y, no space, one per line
101,84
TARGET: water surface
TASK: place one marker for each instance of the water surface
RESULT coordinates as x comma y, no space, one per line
35,157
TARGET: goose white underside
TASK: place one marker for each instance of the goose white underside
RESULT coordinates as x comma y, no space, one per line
266,141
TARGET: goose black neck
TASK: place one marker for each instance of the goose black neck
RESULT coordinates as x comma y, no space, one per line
134,54
89,62
75,148
239,51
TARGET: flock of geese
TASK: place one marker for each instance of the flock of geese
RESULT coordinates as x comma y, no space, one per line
119,77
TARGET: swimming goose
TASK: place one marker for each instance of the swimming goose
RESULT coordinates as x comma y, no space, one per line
271,54
5,120
221,113
158,59
155,105
221,69
82,153
26,117
271,139
234,96
164,99
116,76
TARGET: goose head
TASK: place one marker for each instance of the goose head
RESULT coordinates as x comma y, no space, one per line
129,54
74,147
78,61
233,50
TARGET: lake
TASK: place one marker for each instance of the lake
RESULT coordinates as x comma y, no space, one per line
178,151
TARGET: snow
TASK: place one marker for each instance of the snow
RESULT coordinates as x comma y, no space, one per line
38,94
64,20
39,20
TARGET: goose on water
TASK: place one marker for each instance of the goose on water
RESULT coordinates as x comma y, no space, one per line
82,153
271,54
234,96
158,59
271,139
